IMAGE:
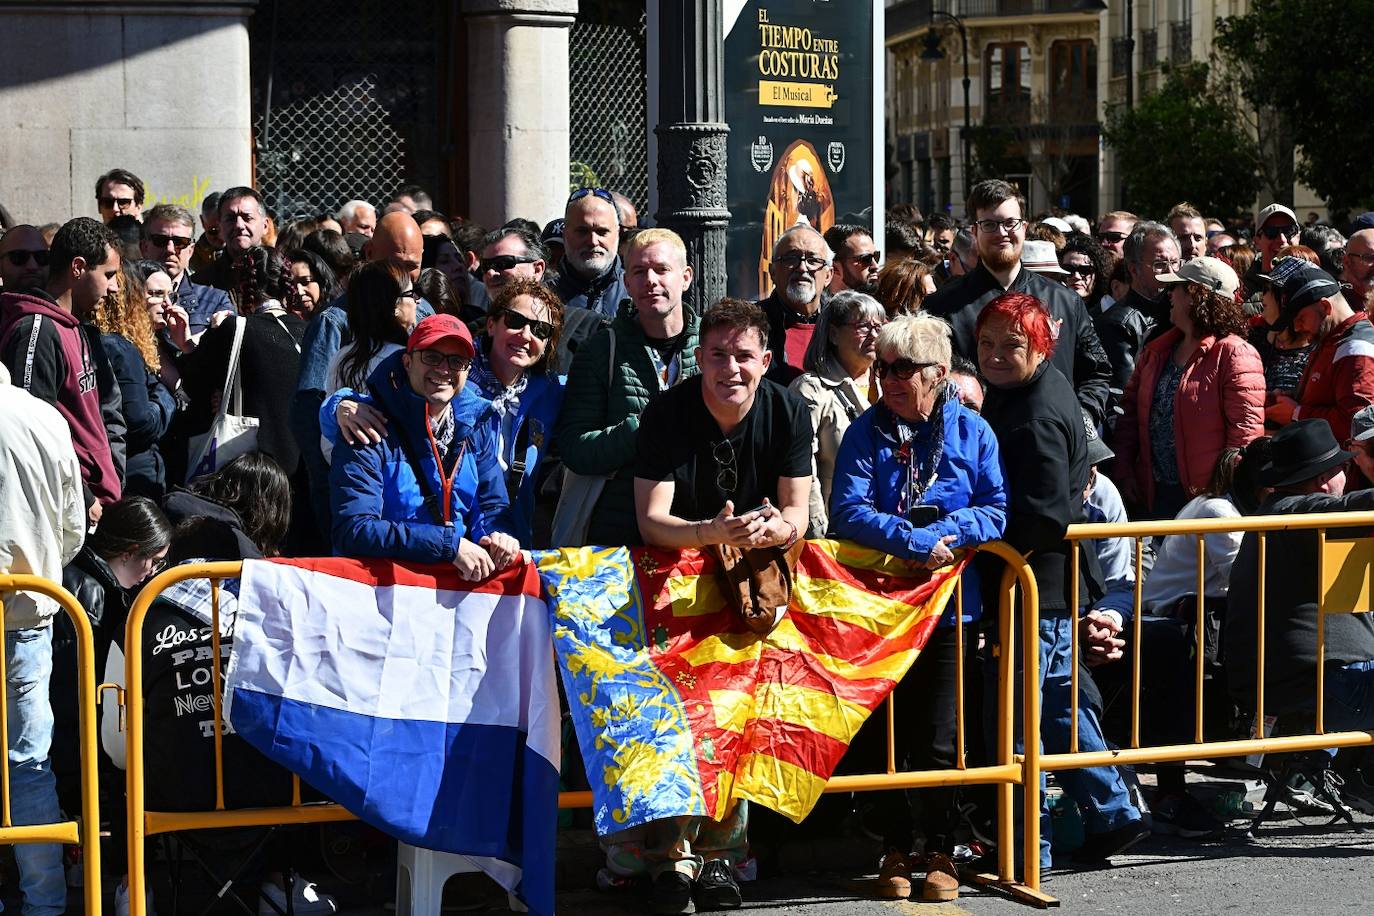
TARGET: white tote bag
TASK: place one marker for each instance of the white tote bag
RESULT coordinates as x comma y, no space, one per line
231,434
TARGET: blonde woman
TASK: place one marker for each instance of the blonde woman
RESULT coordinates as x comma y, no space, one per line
126,333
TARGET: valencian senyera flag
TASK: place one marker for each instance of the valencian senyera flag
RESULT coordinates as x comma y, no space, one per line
424,704
681,710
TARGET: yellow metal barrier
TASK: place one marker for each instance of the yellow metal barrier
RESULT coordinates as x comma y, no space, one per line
87,833
1342,586
144,823
1004,774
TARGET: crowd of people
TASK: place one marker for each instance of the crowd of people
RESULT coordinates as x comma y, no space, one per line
391,382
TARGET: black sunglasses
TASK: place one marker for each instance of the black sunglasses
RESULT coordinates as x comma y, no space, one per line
864,260
1112,237
518,322
595,192
1081,270
727,476
19,257
1273,232
904,369
179,242
106,201
453,363
504,262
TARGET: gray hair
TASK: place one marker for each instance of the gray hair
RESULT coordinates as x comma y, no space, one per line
533,248
963,244
921,338
844,308
1142,235
803,227
350,210
172,213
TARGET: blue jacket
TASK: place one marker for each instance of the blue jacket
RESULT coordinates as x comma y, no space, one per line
201,303
148,408
377,501
600,294
540,404
869,480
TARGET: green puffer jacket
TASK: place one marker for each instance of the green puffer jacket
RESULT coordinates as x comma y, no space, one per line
597,431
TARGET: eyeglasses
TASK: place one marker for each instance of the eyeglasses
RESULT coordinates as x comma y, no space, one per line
867,260
518,322
20,256
1008,225
452,363
153,296
504,262
904,369
107,202
1078,270
595,192
727,475
867,329
807,262
1166,265
412,294
179,242
1273,232
1112,238
1364,257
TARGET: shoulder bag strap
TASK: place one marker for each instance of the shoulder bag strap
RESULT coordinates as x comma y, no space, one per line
233,381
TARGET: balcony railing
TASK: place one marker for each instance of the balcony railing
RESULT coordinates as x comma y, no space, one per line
913,14
1180,42
1149,49
1121,57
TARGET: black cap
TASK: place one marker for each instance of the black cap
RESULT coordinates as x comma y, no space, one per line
1302,450
1299,288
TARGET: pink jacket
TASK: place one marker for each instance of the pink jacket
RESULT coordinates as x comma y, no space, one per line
1219,405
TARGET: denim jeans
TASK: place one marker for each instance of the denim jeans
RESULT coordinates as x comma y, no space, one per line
33,789
1350,697
1100,792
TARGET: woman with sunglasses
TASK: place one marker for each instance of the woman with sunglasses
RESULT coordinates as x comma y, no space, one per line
837,386
1040,427
514,369
917,476
1086,264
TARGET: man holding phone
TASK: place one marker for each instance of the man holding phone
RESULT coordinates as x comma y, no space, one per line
708,447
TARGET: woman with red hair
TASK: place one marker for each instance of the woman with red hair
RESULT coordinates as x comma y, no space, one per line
1042,437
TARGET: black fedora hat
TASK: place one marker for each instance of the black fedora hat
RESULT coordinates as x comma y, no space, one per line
1302,450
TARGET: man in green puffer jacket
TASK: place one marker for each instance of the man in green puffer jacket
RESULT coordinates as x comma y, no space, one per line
647,349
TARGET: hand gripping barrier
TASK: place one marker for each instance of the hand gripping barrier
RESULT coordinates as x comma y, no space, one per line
87,832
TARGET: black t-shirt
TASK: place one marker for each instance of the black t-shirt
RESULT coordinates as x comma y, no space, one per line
680,441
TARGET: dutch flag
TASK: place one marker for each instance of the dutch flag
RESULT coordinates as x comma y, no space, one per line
424,704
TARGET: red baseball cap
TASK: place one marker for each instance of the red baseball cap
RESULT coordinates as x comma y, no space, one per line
438,328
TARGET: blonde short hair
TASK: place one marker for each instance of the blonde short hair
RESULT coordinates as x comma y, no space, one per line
657,235
920,338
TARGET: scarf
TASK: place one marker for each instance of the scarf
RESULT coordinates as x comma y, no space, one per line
923,445
444,429
506,399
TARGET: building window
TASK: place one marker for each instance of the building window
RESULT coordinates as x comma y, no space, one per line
1008,80
1073,80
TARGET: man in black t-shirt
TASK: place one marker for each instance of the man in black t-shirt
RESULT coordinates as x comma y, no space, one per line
723,458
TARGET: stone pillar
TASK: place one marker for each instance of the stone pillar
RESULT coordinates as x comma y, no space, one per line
691,140
517,104
158,88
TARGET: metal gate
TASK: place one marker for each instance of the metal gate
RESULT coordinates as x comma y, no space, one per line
607,92
346,100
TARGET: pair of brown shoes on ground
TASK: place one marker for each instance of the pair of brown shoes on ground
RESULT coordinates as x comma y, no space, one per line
894,877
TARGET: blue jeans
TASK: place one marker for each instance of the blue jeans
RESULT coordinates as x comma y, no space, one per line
1100,792
1350,697
33,789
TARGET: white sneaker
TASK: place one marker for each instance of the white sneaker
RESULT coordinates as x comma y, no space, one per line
306,900
121,907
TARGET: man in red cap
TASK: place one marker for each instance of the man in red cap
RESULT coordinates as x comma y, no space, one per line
431,489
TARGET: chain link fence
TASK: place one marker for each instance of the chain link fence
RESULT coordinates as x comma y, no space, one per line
608,94
345,105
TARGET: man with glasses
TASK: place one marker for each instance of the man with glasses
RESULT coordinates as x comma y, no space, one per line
1112,231
1277,228
724,460
1000,232
618,371
857,258
169,233
1358,268
800,270
431,491
508,253
591,275
23,259
119,192
1143,313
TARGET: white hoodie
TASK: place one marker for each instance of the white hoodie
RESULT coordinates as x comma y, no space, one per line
42,514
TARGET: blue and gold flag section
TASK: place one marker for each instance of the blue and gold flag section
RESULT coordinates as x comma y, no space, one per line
681,710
